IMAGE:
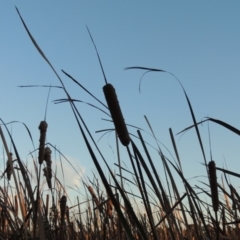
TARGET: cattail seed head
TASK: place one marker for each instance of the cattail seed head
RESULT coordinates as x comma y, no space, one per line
48,174
213,185
48,159
9,167
109,208
43,129
67,214
63,202
47,155
116,113
43,126
16,205
95,199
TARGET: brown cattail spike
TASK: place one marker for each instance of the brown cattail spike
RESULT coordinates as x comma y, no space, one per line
16,205
213,185
109,208
48,174
63,202
116,113
67,214
47,155
95,199
9,168
48,170
43,129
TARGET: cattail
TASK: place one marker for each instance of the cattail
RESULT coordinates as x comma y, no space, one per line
116,113
47,155
9,168
98,204
213,185
48,170
43,129
16,205
46,174
63,202
109,208
67,214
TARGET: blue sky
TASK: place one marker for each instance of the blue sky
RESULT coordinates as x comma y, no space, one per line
198,41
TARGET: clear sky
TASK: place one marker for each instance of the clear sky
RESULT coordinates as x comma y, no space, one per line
198,41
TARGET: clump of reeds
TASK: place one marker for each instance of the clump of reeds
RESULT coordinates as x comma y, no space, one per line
167,213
